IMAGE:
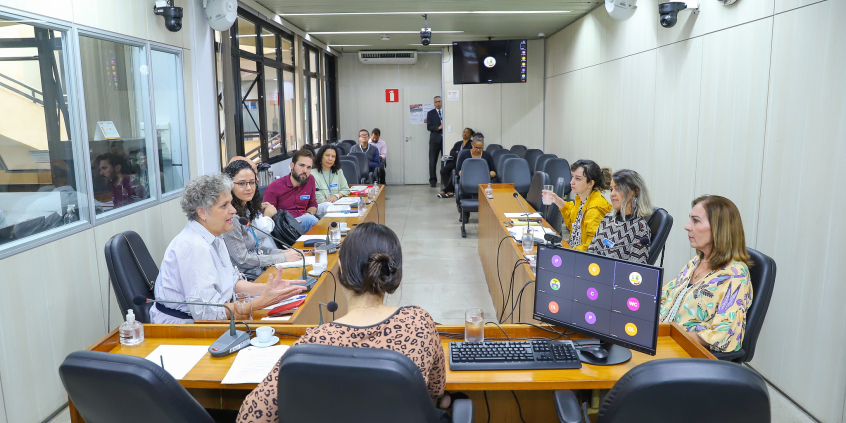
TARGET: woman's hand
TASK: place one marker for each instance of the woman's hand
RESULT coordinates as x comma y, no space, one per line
267,209
555,198
277,289
333,198
292,255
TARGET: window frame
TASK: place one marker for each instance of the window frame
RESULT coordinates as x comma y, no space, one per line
308,75
77,120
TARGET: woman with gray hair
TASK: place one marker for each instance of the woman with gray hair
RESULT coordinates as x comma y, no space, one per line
627,221
196,265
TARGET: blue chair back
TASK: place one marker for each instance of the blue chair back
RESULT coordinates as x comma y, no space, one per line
531,158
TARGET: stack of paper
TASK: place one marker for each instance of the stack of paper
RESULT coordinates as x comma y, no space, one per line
358,187
178,360
537,231
347,200
337,208
280,318
253,364
309,260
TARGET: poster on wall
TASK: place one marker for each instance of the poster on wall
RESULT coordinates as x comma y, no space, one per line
453,95
418,113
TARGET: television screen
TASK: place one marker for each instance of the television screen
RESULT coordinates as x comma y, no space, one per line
489,62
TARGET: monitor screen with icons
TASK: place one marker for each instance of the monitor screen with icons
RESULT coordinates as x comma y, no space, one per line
612,300
489,62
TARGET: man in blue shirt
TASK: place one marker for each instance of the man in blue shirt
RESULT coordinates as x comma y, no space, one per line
369,150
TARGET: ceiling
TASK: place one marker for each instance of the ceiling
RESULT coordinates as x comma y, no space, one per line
382,17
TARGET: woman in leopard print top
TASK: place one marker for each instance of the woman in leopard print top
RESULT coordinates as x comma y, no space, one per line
371,261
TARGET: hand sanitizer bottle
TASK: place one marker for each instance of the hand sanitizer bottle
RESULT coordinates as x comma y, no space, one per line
70,215
131,331
489,191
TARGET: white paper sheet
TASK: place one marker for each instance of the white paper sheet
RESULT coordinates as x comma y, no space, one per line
283,302
358,187
305,238
281,318
537,231
347,200
299,263
337,208
341,215
516,215
253,364
178,359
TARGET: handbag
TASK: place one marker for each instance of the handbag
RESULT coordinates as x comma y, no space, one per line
286,228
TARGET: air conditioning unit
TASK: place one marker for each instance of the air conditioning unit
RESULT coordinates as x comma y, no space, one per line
388,57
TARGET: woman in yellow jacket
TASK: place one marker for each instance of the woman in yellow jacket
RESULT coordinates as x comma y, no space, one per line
582,217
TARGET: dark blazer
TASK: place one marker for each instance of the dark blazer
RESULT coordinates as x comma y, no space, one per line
433,121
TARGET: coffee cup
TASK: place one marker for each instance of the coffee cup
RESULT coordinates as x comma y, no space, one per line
264,333
344,226
318,268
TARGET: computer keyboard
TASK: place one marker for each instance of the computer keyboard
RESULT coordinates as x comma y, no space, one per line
513,355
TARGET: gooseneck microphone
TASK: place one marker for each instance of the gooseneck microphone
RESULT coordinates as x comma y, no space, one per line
228,343
640,241
310,281
330,307
517,196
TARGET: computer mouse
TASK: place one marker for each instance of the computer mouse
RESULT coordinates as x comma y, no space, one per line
594,353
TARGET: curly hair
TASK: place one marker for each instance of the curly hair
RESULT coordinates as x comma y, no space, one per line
253,206
202,193
318,162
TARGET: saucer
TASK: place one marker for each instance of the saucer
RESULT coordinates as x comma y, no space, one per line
314,273
255,342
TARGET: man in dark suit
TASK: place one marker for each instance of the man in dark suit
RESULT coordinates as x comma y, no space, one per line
435,125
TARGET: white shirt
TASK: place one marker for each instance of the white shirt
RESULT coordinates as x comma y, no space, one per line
196,267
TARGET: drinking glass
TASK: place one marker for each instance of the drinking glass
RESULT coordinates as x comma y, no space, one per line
547,195
321,254
243,306
474,325
371,193
335,235
528,241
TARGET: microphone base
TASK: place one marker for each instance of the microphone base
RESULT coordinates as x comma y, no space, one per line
310,281
228,344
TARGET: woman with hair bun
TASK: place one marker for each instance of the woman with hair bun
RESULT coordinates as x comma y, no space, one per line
371,266
583,216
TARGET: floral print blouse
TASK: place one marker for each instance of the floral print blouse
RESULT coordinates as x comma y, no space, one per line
714,307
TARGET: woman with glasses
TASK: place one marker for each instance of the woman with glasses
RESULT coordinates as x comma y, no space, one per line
247,249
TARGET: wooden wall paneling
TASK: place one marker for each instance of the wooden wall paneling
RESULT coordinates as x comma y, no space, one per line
799,221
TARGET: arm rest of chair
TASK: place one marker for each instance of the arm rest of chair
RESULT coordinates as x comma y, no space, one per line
567,406
728,356
462,411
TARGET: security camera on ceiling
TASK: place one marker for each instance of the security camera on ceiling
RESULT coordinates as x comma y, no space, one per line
221,14
669,12
425,32
172,15
620,9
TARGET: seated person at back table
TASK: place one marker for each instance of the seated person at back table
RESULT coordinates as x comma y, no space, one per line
371,266
477,151
369,150
583,216
196,265
331,185
295,192
446,171
382,146
125,189
246,248
713,293
627,222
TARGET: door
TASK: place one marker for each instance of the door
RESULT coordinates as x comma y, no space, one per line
416,137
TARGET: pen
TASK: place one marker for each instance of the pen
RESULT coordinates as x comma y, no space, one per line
161,357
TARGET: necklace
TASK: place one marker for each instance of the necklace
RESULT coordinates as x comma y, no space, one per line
700,271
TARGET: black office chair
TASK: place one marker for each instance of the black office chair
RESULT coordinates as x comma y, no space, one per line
531,157
674,390
533,197
262,190
660,224
492,147
343,149
349,143
552,214
541,161
559,168
455,176
362,384
495,154
132,271
350,169
516,171
500,163
474,173
519,150
762,276
363,168
107,388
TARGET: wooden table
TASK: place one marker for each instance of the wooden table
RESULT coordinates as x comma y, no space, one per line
492,232
324,289
534,386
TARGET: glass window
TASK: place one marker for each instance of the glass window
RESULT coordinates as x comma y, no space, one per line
315,110
271,98
170,122
250,117
246,35
287,50
312,61
41,183
288,92
268,44
116,108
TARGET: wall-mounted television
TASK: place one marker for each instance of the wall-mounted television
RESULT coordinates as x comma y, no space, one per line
489,62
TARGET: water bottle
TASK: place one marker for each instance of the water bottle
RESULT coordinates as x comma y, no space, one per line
489,191
362,206
70,216
131,331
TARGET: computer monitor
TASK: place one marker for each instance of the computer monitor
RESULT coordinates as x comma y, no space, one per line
614,301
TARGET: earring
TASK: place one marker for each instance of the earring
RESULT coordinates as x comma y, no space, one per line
204,219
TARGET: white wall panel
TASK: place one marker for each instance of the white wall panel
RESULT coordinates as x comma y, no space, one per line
785,5
482,111
56,9
732,118
123,17
582,48
800,222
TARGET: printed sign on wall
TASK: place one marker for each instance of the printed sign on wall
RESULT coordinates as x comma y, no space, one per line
392,95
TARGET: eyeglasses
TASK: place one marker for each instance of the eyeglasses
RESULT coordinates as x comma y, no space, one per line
242,185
